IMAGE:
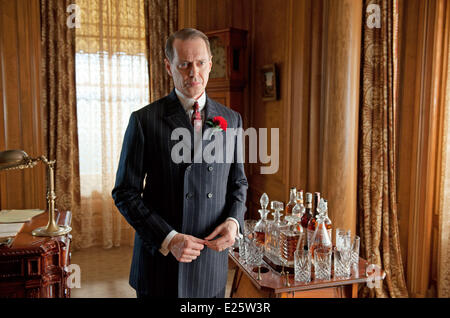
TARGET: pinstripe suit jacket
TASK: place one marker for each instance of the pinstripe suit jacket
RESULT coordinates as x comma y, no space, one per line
191,198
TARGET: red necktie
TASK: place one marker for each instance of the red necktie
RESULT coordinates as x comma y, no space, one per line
196,115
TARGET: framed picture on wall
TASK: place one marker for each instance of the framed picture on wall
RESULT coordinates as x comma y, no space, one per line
269,79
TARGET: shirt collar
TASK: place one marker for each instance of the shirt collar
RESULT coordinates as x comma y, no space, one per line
188,102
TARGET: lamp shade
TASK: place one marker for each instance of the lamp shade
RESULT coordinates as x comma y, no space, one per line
11,159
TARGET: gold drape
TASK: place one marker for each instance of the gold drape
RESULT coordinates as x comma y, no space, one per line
162,20
112,81
58,98
377,201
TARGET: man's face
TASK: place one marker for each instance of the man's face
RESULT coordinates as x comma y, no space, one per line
190,66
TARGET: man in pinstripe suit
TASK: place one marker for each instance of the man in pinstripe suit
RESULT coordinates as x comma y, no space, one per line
186,214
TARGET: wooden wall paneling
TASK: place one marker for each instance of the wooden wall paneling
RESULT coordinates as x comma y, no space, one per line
413,268
241,14
223,14
187,14
9,21
420,87
214,15
340,109
408,35
419,256
21,111
314,140
271,44
433,101
253,195
2,107
302,52
437,220
31,115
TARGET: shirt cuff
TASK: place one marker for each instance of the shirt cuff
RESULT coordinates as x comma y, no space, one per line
238,234
164,249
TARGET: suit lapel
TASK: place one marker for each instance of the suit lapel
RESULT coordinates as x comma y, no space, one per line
211,110
175,115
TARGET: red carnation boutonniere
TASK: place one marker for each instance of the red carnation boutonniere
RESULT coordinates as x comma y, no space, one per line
218,123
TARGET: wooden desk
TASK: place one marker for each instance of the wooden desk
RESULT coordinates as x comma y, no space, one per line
33,266
246,284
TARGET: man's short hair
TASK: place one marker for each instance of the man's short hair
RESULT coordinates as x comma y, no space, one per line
185,34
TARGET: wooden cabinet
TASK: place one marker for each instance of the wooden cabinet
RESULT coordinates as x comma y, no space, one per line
228,74
35,267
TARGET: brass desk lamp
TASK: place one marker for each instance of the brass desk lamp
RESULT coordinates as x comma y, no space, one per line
18,159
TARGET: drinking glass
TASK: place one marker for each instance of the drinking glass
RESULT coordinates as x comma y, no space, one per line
302,266
355,250
342,263
343,239
243,249
322,264
255,253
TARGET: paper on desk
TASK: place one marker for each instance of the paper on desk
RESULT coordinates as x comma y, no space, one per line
8,230
18,216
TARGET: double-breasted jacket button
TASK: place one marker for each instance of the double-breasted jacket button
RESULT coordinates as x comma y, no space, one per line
188,168
210,195
210,168
189,196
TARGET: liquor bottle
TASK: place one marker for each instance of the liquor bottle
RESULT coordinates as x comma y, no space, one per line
300,203
264,201
320,240
307,215
273,230
292,201
299,196
290,237
313,221
316,201
297,212
327,220
261,226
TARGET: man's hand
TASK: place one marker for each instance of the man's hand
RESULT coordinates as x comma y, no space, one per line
186,248
227,231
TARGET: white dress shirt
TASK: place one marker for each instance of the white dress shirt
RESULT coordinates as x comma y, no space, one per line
187,104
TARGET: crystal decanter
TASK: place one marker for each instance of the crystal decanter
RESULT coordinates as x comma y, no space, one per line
292,202
261,225
273,231
327,220
321,240
313,220
300,203
291,236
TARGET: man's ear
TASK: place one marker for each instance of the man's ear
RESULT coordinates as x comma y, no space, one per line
167,63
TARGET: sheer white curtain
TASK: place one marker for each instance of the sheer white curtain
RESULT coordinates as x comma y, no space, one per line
111,81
